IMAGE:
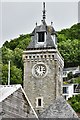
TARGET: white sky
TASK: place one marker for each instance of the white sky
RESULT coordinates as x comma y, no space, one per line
20,17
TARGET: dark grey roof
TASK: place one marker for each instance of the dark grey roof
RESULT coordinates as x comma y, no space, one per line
59,109
49,42
70,68
11,97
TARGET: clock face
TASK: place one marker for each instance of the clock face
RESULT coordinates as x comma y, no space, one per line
39,70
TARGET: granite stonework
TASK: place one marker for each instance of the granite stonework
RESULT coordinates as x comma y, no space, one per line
48,87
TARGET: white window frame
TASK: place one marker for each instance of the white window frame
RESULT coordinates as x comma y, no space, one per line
37,106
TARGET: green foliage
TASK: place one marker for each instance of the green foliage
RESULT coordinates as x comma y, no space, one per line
75,102
70,75
69,45
13,51
21,42
16,75
71,33
7,55
24,43
76,80
17,60
4,75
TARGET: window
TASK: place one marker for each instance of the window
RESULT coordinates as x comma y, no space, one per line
41,37
39,102
65,90
75,86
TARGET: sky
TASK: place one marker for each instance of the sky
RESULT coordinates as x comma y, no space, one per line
19,17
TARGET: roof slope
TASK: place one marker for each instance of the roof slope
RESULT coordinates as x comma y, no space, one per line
50,39
59,109
7,90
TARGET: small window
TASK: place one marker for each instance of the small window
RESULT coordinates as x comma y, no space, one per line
41,37
65,90
39,102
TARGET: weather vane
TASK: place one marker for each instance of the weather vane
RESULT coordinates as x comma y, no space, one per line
44,11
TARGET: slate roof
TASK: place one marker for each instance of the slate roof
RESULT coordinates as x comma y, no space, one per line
49,32
59,109
70,68
7,90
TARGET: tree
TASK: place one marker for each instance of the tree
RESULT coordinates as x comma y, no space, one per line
75,102
17,60
21,42
24,43
70,51
76,80
69,76
15,76
4,79
7,55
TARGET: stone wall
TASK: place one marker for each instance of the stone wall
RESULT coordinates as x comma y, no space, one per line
48,87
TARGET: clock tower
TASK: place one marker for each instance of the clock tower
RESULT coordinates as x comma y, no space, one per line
43,67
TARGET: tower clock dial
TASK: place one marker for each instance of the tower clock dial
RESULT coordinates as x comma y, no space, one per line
39,70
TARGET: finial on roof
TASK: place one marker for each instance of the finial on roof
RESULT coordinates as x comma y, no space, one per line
51,23
44,11
36,23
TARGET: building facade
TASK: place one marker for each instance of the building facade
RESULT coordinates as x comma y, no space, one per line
70,90
73,70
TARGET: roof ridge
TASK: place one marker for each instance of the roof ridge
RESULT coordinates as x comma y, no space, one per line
4,94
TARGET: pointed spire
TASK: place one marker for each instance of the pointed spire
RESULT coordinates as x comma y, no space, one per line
44,11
